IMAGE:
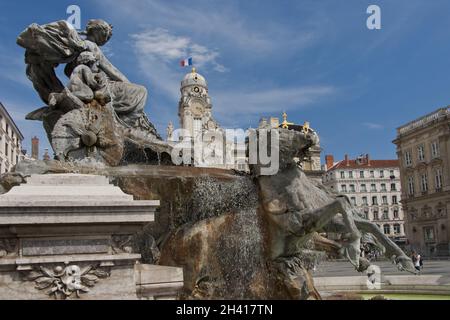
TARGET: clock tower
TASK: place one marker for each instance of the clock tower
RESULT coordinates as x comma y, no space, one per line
194,109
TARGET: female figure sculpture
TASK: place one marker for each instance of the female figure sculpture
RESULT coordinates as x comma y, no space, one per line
97,91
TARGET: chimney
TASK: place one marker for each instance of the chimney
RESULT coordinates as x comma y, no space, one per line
347,162
35,148
367,159
329,161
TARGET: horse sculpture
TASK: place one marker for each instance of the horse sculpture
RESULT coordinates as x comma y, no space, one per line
298,208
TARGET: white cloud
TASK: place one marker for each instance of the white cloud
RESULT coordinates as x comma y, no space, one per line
238,108
374,126
157,52
225,24
159,44
271,100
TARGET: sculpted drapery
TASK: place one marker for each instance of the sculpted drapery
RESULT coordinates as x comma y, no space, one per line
76,115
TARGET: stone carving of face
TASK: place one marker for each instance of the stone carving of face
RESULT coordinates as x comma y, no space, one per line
72,278
98,31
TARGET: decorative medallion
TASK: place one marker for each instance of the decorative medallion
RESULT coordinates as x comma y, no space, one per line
64,281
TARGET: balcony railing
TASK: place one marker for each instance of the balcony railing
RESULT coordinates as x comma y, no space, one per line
423,121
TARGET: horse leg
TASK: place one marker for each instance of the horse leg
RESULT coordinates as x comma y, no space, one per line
319,218
402,261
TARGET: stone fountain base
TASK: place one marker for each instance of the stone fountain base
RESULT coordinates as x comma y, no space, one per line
208,223
72,236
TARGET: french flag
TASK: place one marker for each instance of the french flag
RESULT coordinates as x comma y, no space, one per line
186,62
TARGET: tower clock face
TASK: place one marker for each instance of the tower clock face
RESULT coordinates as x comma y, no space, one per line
197,108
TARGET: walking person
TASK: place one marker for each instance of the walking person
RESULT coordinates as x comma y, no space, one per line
416,260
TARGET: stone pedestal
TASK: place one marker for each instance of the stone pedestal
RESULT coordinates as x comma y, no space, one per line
70,236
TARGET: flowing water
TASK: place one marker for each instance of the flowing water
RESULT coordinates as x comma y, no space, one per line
240,250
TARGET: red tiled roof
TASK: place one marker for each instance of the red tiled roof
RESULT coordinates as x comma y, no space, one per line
353,164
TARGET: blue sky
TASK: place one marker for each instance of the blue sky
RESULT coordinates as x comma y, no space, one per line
315,59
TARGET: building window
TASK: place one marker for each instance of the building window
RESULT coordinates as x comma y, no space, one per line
6,149
424,182
7,129
421,152
350,174
428,233
364,200
373,187
375,215
411,185
408,158
353,200
342,175
438,179
387,229
435,149
384,200
361,174
374,201
394,200
393,187
343,188
363,187
397,228
381,173
391,174
386,214
197,126
372,174
366,214
352,188
395,213
383,187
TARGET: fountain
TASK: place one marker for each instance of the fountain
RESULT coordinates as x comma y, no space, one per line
235,235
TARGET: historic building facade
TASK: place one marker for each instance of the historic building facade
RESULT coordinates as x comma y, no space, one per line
423,148
10,141
374,187
217,149
212,147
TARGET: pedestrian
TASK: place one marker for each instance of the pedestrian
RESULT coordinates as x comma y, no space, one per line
416,260
421,262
